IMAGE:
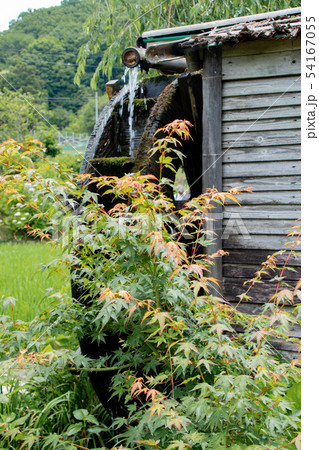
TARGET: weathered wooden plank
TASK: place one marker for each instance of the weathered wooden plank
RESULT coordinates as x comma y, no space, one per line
257,309
291,183
261,139
289,347
261,169
212,139
246,102
257,257
233,226
286,153
260,46
259,65
258,241
287,355
261,86
270,198
259,293
295,331
252,307
262,125
248,272
291,212
264,113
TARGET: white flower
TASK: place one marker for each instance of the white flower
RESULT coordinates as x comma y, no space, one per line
17,214
14,221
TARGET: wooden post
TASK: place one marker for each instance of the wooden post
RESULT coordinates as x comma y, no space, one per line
194,62
212,146
112,87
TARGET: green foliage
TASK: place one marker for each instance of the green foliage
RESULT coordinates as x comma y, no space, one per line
61,117
43,413
21,206
20,119
67,161
22,123
38,56
184,374
20,210
115,25
84,120
19,74
51,145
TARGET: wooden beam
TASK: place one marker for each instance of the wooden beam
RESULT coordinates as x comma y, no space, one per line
212,144
112,87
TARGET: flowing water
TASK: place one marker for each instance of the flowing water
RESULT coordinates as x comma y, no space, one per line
132,85
142,95
125,87
129,90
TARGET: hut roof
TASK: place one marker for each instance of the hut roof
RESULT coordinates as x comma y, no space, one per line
274,24
284,27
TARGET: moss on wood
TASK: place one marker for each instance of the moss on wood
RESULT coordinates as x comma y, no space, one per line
113,166
154,119
157,79
144,103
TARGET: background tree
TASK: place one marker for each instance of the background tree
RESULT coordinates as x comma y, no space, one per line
20,120
20,74
83,121
38,55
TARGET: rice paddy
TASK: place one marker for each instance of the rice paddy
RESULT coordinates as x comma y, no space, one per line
22,279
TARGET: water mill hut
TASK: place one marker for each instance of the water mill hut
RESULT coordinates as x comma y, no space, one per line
238,81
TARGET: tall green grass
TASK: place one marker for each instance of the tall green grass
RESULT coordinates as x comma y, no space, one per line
21,278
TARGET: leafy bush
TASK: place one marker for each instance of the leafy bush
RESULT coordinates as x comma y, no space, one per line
67,162
16,214
20,201
184,368
51,145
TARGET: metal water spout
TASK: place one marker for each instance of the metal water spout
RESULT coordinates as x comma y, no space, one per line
133,57
162,57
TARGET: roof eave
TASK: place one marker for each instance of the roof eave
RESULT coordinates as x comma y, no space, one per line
202,27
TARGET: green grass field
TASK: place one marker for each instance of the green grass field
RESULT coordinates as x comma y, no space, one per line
73,149
21,278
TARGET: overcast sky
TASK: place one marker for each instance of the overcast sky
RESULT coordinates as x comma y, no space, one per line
10,9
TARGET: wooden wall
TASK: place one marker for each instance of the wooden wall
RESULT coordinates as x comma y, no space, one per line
261,149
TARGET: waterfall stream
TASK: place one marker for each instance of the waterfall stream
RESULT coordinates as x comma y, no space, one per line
127,92
142,95
99,128
132,85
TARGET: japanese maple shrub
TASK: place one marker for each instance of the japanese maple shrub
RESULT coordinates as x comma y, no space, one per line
189,370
